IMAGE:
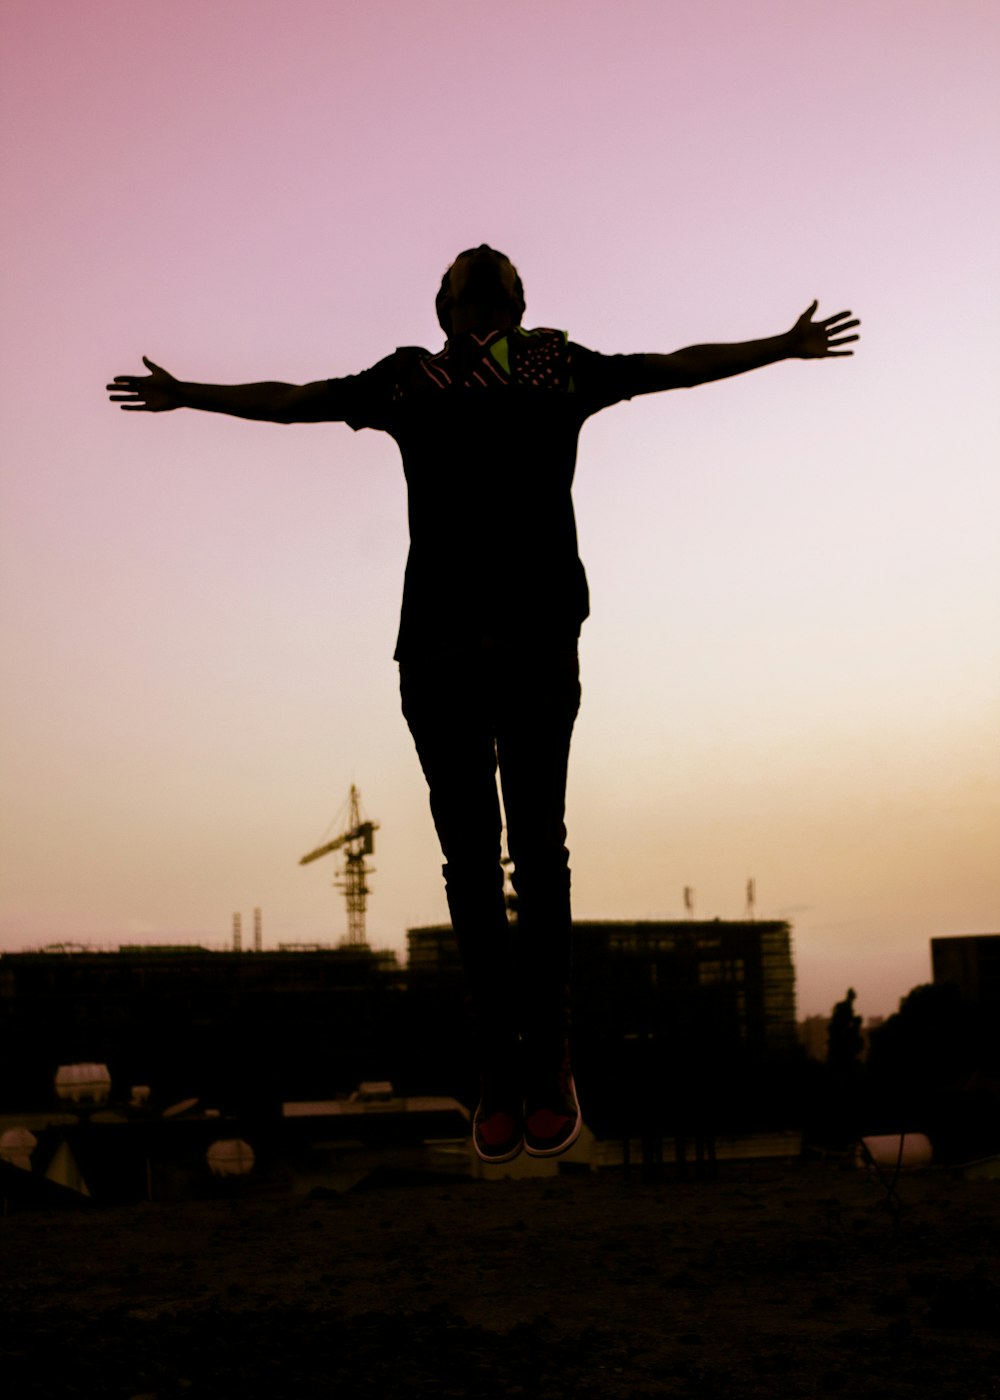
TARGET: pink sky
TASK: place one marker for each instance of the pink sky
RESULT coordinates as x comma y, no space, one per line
791,671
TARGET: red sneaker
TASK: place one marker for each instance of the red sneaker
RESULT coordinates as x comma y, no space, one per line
552,1118
498,1128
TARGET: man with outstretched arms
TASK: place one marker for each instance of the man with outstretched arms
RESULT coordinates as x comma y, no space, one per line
493,599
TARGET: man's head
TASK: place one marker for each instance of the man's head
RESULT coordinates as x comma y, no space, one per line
480,291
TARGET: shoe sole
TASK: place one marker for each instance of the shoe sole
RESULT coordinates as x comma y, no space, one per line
499,1161
560,1149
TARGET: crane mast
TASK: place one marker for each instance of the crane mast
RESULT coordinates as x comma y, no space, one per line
356,842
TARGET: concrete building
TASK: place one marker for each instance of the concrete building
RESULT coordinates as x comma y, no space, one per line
228,1026
746,965
694,1018
972,963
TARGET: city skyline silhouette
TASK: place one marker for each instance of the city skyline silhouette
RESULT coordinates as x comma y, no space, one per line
789,669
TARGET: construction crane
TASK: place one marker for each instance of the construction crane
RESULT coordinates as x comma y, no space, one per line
356,842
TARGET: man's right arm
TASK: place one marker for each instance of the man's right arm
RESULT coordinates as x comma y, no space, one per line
269,402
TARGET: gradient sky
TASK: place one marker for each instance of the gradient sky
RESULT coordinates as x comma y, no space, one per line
791,671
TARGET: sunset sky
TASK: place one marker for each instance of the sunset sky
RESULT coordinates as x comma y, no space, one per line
792,667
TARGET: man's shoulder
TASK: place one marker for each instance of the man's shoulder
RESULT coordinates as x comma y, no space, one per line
402,355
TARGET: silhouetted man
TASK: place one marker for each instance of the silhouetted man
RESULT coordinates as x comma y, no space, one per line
493,599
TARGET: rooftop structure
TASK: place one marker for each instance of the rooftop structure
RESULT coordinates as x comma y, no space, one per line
972,963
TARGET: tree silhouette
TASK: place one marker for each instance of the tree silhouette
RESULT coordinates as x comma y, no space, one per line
931,1069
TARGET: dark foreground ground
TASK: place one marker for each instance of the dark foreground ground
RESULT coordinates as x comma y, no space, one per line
792,1281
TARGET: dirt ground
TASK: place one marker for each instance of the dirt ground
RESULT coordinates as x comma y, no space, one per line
796,1280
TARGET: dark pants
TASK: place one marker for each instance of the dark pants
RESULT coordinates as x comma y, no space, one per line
469,715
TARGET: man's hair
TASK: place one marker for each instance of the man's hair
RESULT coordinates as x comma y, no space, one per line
442,301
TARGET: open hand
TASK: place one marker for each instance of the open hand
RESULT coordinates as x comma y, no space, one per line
814,340
155,392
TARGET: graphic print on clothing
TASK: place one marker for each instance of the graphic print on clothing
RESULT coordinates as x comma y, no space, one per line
538,359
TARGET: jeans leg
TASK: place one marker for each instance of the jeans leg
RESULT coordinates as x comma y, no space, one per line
540,703
446,705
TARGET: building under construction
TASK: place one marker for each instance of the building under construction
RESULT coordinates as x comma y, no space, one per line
627,970
705,1011
232,1028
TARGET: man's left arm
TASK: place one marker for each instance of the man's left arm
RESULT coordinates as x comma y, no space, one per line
700,364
